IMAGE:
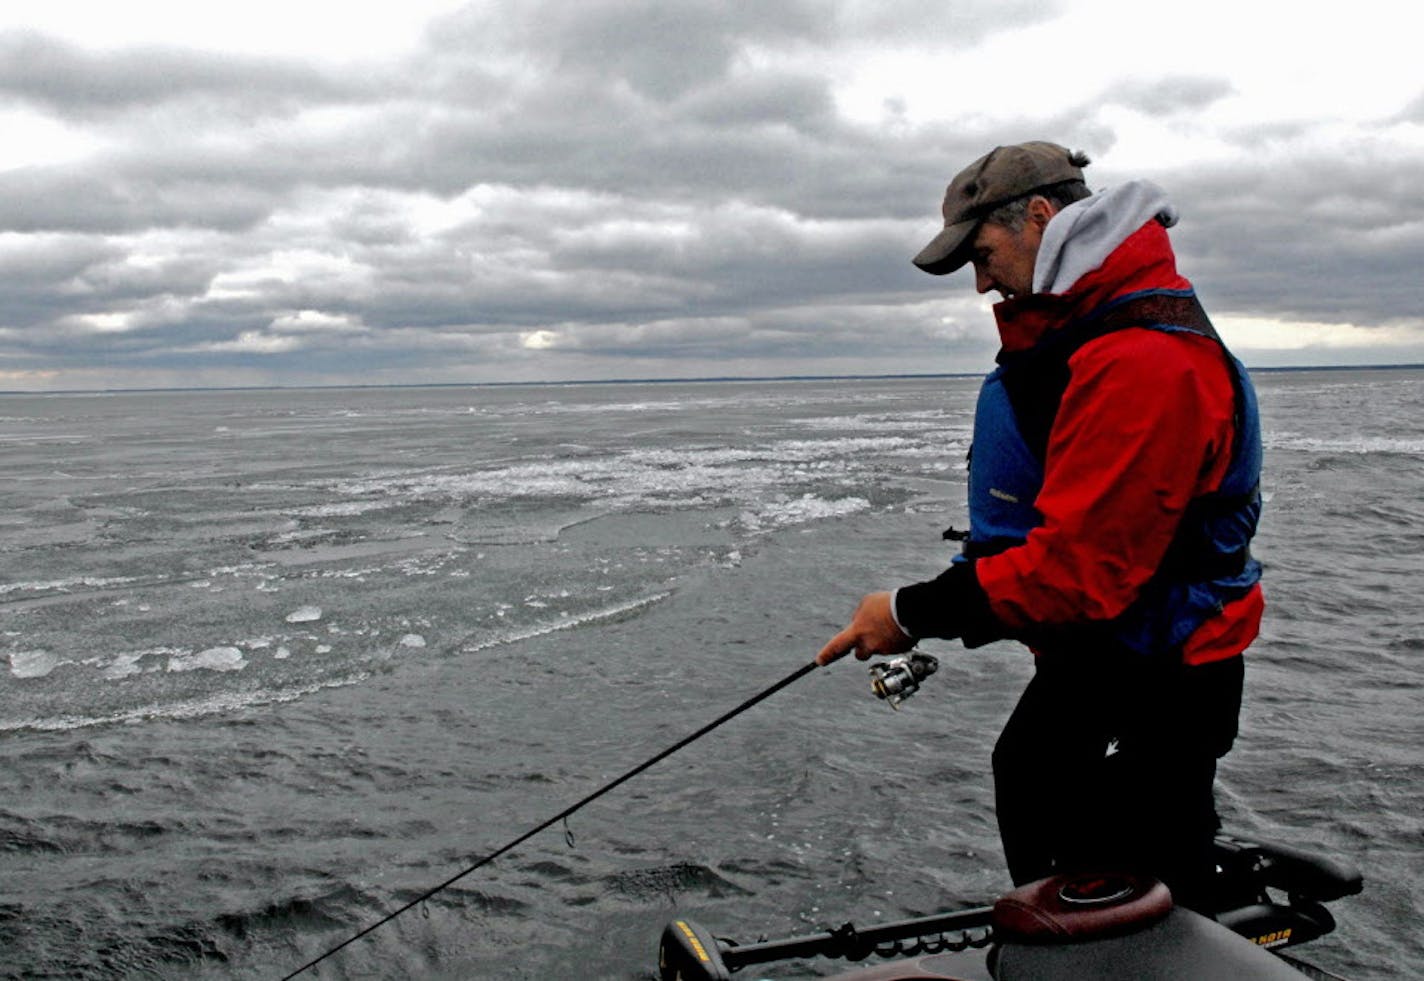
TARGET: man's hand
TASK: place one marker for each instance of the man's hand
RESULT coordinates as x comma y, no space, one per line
872,631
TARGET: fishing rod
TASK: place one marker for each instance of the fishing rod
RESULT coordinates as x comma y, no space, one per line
760,696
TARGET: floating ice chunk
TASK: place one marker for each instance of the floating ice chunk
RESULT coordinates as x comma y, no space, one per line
123,665
281,654
807,508
33,664
212,659
412,640
304,615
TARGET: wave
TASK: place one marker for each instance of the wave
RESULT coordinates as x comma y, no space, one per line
671,881
605,615
318,913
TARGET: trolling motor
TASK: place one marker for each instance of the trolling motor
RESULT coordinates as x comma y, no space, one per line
897,678
1073,926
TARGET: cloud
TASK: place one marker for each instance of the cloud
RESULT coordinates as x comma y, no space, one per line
74,83
114,198
248,342
543,189
1298,232
314,321
1172,94
1414,111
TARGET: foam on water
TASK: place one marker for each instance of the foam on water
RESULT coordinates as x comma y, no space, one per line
1354,444
217,704
783,514
66,585
640,477
342,510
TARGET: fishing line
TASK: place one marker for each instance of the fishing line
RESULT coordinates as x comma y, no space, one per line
562,815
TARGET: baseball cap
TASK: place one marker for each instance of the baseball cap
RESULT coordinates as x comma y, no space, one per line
1002,174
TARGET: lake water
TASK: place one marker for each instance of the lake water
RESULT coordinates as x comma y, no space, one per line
273,663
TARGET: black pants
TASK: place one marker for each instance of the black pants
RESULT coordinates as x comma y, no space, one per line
1108,762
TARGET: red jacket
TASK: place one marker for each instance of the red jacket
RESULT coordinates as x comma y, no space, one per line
1114,487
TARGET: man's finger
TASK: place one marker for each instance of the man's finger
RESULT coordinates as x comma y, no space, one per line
839,646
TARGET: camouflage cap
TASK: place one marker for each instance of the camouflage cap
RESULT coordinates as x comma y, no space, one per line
1002,174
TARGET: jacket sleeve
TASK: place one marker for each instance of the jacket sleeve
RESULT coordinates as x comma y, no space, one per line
1144,426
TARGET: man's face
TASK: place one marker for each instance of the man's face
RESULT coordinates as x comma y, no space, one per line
1003,259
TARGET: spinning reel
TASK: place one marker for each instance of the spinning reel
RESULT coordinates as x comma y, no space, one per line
897,678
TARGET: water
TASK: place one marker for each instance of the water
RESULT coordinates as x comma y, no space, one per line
280,661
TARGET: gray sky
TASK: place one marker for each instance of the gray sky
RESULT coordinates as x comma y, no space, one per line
301,192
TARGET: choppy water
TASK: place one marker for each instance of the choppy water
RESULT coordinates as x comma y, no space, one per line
273,663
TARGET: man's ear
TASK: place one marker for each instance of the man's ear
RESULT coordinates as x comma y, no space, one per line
1040,211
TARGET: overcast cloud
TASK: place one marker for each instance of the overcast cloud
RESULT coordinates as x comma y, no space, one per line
541,190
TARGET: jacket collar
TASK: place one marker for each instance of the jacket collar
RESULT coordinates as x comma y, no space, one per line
1144,261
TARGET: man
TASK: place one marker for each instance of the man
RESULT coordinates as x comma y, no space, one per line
1113,493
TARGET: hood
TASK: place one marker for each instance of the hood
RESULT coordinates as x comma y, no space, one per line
1094,250
1081,236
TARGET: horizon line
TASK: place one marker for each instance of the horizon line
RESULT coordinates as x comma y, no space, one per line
686,380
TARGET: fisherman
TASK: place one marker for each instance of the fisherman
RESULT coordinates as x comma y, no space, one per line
1113,493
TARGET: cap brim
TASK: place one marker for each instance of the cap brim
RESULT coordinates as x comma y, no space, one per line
948,250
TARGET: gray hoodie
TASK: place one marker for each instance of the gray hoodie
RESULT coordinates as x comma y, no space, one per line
1081,236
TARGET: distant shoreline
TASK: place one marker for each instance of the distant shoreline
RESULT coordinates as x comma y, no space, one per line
693,380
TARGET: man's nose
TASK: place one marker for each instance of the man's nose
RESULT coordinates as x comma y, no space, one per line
982,282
